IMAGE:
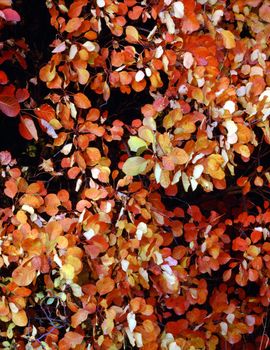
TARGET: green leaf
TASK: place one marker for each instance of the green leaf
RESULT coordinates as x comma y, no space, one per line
136,144
134,166
50,301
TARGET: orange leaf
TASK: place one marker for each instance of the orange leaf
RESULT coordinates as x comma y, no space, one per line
10,188
94,155
70,341
47,73
23,275
73,24
264,12
20,318
79,317
105,285
240,244
82,101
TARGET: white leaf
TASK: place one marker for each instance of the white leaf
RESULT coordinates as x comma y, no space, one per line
138,339
229,106
176,177
185,182
217,16
131,321
241,91
255,55
72,51
250,320
265,93
49,129
78,185
169,23
77,290
194,183
120,68
130,337
174,346
159,259
148,72
224,328
28,209
232,139
89,234
230,126
157,172
197,171
57,260
100,3
139,76
89,46
183,89
66,149
188,60
60,48
73,110
144,274
178,9
124,265
159,52
13,308
81,216
141,229
152,33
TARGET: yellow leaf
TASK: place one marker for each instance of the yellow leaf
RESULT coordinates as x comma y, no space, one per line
132,35
67,272
20,318
134,166
136,144
228,39
146,134
213,166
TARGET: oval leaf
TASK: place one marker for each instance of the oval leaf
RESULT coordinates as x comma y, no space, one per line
9,105
134,166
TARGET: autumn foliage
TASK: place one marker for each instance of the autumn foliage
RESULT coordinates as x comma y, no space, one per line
144,221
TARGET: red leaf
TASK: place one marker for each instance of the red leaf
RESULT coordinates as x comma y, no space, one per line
11,15
22,95
30,128
3,78
240,244
176,327
9,105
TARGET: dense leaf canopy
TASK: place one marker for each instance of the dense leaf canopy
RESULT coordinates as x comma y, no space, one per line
137,215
